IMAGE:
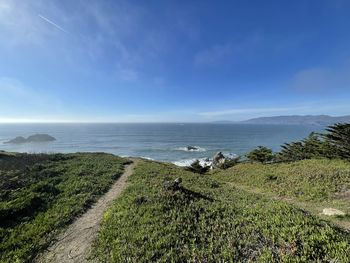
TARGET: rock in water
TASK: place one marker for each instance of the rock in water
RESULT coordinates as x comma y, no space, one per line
18,139
40,138
332,212
192,148
218,160
32,138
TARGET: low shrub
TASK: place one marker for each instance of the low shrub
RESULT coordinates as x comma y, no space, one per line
196,167
261,154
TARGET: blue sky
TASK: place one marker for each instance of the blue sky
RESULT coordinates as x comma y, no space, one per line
151,61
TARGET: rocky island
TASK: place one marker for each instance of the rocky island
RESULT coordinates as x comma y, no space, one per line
32,138
192,148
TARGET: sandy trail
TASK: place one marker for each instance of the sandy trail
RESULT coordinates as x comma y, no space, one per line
74,244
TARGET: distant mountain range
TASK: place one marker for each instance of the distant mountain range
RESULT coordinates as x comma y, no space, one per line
299,120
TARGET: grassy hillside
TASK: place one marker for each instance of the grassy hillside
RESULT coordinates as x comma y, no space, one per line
210,221
314,181
40,194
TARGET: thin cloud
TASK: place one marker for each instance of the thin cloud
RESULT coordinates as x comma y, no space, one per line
322,79
250,111
13,92
218,54
128,74
52,23
213,56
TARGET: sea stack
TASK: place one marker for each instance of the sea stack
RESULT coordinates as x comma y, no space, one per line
33,138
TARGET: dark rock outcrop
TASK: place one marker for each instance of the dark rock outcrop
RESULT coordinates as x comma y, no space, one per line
224,161
175,185
18,139
32,138
192,148
40,138
218,160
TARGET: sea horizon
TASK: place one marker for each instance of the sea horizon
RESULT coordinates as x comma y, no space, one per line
165,142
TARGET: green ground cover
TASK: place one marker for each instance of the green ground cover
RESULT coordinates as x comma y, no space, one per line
208,220
308,180
41,193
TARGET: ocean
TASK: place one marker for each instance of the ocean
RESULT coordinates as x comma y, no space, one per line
162,142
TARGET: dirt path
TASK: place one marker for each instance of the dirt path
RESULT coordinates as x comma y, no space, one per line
74,244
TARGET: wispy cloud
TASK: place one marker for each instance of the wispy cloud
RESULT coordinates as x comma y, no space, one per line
120,32
222,52
21,25
32,102
237,111
127,74
331,107
52,23
213,55
322,79
36,120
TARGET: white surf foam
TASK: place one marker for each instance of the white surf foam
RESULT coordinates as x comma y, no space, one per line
188,162
197,149
147,158
202,161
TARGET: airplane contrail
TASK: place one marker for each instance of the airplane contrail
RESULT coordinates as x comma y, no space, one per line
52,23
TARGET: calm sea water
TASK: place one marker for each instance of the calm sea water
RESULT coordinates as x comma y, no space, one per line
163,142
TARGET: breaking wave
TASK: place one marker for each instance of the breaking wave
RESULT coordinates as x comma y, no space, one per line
188,162
191,149
203,161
